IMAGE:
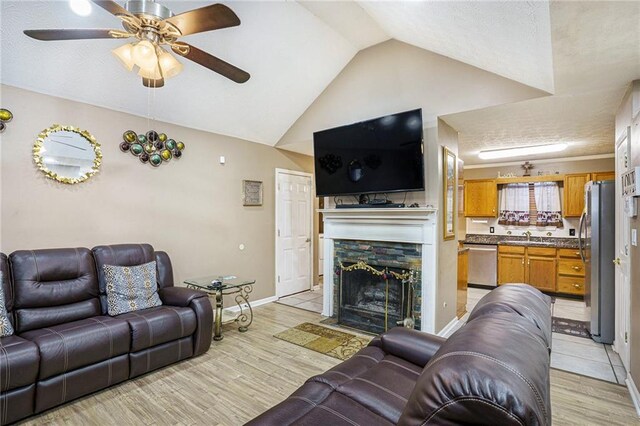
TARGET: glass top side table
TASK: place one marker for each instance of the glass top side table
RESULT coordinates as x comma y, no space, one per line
227,285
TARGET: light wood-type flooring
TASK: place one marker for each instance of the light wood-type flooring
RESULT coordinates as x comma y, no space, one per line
246,373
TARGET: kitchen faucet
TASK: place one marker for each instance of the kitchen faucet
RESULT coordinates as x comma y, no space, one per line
528,234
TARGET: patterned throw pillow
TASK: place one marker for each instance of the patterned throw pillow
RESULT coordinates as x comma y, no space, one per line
5,326
131,288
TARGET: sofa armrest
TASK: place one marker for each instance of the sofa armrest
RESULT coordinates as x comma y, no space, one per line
179,296
199,302
412,345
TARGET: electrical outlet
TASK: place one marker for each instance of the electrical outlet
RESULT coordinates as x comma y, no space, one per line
492,229
634,237
572,232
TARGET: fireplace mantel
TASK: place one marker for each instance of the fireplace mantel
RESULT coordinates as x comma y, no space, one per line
401,225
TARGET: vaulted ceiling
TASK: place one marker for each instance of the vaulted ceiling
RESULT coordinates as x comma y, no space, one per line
507,58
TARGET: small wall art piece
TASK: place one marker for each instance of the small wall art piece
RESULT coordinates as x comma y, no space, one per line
449,164
5,117
152,147
252,192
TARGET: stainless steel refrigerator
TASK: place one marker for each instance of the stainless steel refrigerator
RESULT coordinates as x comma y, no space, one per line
596,239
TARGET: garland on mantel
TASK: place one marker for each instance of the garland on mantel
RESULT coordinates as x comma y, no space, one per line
363,266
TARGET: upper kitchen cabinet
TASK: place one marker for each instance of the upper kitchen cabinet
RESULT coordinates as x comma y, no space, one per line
574,193
597,176
481,198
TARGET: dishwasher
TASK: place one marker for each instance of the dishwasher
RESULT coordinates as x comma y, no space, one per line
483,264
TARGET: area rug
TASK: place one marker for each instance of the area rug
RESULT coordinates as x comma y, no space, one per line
570,327
336,344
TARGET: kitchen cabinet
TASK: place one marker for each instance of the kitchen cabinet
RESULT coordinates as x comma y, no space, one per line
511,264
535,266
570,272
481,198
541,268
574,193
463,268
596,176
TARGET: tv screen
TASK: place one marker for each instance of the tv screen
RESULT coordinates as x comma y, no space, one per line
375,156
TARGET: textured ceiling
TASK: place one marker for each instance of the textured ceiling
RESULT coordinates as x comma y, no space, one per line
509,38
596,54
291,56
373,85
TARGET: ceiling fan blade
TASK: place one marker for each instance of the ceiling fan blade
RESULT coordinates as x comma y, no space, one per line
112,7
211,62
154,84
69,34
206,18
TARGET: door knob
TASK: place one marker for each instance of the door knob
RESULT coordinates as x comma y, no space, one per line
617,261
308,240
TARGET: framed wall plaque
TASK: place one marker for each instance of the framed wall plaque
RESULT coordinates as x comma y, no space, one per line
251,193
449,194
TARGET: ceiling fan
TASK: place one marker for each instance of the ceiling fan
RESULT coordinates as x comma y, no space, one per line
154,25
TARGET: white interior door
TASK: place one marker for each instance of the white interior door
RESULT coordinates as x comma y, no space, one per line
623,276
294,224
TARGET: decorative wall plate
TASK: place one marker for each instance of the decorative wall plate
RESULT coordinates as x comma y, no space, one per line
152,147
5,117
67,154
252,192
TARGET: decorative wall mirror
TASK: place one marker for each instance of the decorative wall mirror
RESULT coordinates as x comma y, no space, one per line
449,194
67,154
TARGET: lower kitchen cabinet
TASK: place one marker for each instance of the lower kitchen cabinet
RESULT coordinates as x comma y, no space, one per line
535,266
570,272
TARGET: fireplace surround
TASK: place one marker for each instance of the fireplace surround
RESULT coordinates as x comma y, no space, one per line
396,239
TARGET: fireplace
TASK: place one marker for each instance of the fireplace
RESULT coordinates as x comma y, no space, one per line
374,298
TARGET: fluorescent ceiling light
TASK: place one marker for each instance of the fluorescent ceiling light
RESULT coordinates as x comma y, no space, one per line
522,151
80,7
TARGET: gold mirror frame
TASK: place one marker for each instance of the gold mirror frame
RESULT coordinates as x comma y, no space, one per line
39,160
449,172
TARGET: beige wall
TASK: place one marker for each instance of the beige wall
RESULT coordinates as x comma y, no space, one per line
191,207
625,117
447,250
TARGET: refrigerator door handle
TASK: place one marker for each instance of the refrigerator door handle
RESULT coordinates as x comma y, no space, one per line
580,242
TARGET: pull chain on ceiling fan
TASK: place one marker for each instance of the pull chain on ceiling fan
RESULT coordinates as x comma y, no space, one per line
154,26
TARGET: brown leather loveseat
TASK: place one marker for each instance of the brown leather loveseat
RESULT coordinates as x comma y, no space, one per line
66,346
492,371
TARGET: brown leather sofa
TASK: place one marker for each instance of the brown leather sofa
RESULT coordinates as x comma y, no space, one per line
66,346
492,371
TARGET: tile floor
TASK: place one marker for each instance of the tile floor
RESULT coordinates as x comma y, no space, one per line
310,300
570,353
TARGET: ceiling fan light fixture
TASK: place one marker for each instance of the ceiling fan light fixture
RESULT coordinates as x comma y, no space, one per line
124,54
144,55
522,151
153,73
80,7
169,65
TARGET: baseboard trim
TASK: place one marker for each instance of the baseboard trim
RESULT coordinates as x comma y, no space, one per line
254,304
635,395
448,329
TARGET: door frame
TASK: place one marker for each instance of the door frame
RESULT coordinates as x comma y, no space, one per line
278,173
622,316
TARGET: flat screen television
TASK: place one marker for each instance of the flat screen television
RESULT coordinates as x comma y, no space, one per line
381,155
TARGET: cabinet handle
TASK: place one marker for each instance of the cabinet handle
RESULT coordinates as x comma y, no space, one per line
523,261
576,268
577,253
577,285
529,262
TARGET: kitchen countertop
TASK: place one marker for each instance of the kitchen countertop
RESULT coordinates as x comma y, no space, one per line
463,250
513,240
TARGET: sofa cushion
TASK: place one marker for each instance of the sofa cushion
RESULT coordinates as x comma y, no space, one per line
495,369
76,344
521,299
131,288
19,361
153,326
53,286
6,329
